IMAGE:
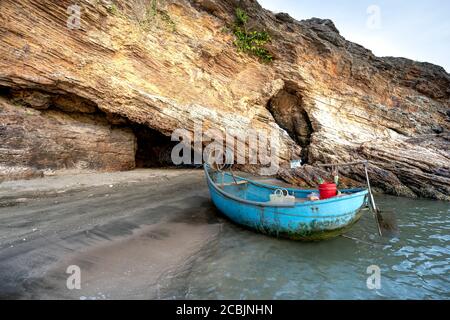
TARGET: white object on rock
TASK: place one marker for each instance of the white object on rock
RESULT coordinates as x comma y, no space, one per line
296,164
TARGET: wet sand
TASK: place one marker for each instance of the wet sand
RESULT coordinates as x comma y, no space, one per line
129,232
150,234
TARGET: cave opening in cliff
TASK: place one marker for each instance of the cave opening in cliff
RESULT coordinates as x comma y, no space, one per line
55,131
287,109
153,149
4,91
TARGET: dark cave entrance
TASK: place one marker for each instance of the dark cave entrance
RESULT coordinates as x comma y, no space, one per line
153,149
287,108
108,142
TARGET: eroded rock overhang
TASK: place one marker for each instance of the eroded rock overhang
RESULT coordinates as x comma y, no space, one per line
354,105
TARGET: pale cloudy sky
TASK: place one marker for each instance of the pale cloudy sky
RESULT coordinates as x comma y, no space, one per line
415,29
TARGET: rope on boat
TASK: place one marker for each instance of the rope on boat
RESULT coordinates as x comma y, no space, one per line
341,164
334,166
362,241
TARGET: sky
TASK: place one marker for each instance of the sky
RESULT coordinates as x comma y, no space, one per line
414,29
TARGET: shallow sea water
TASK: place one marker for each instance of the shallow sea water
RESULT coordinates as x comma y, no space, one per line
241,264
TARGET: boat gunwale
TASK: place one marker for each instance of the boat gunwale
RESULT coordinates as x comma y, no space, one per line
268,204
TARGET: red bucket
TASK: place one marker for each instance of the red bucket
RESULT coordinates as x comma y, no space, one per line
327,190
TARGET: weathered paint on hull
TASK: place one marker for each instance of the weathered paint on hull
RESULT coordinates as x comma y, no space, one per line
312,235
310,221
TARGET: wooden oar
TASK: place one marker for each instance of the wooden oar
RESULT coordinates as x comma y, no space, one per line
386,227
376,214
386,222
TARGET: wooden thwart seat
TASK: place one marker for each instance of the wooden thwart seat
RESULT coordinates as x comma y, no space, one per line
234,183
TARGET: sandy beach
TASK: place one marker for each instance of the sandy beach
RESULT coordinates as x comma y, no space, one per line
127,231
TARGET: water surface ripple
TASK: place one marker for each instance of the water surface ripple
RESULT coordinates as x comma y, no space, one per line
241,264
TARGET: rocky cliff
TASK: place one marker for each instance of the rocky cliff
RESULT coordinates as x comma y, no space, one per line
168,64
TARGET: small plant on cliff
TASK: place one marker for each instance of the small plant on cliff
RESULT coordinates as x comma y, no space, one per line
153,10
154,13
241,17
168,20
113,9
251,42
145,13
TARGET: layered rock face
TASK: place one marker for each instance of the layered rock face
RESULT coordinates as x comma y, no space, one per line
171,64
44,139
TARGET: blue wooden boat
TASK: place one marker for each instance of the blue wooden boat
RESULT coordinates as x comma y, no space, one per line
247,203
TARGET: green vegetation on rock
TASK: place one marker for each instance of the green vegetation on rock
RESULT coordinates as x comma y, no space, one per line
251,42
146,14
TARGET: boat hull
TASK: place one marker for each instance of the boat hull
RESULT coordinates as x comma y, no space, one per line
309,221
